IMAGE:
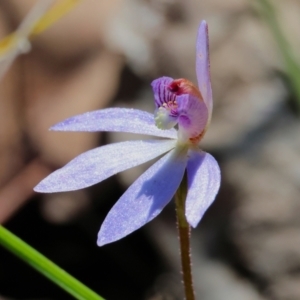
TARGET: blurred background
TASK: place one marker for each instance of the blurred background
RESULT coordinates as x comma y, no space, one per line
105,53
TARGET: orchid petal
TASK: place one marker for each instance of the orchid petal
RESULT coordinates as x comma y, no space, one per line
204,178
144,199
115,119
203,66
192,115
161,92
100,163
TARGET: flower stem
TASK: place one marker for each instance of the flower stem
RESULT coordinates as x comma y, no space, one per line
184,232
68,283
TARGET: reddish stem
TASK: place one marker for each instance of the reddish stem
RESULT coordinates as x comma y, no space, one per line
184,232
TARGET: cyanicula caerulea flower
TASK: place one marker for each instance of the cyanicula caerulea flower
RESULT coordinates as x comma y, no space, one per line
178,104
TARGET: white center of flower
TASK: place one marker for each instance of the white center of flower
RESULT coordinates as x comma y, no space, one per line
163,118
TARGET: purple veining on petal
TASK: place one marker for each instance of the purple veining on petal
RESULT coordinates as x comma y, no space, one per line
204,178
100,163
203,66
162,95
166,113
144,199
115,119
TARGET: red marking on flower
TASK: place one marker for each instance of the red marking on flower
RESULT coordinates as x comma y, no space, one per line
184,86
196,140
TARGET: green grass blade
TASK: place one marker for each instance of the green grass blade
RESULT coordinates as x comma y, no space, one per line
42,264
292,66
